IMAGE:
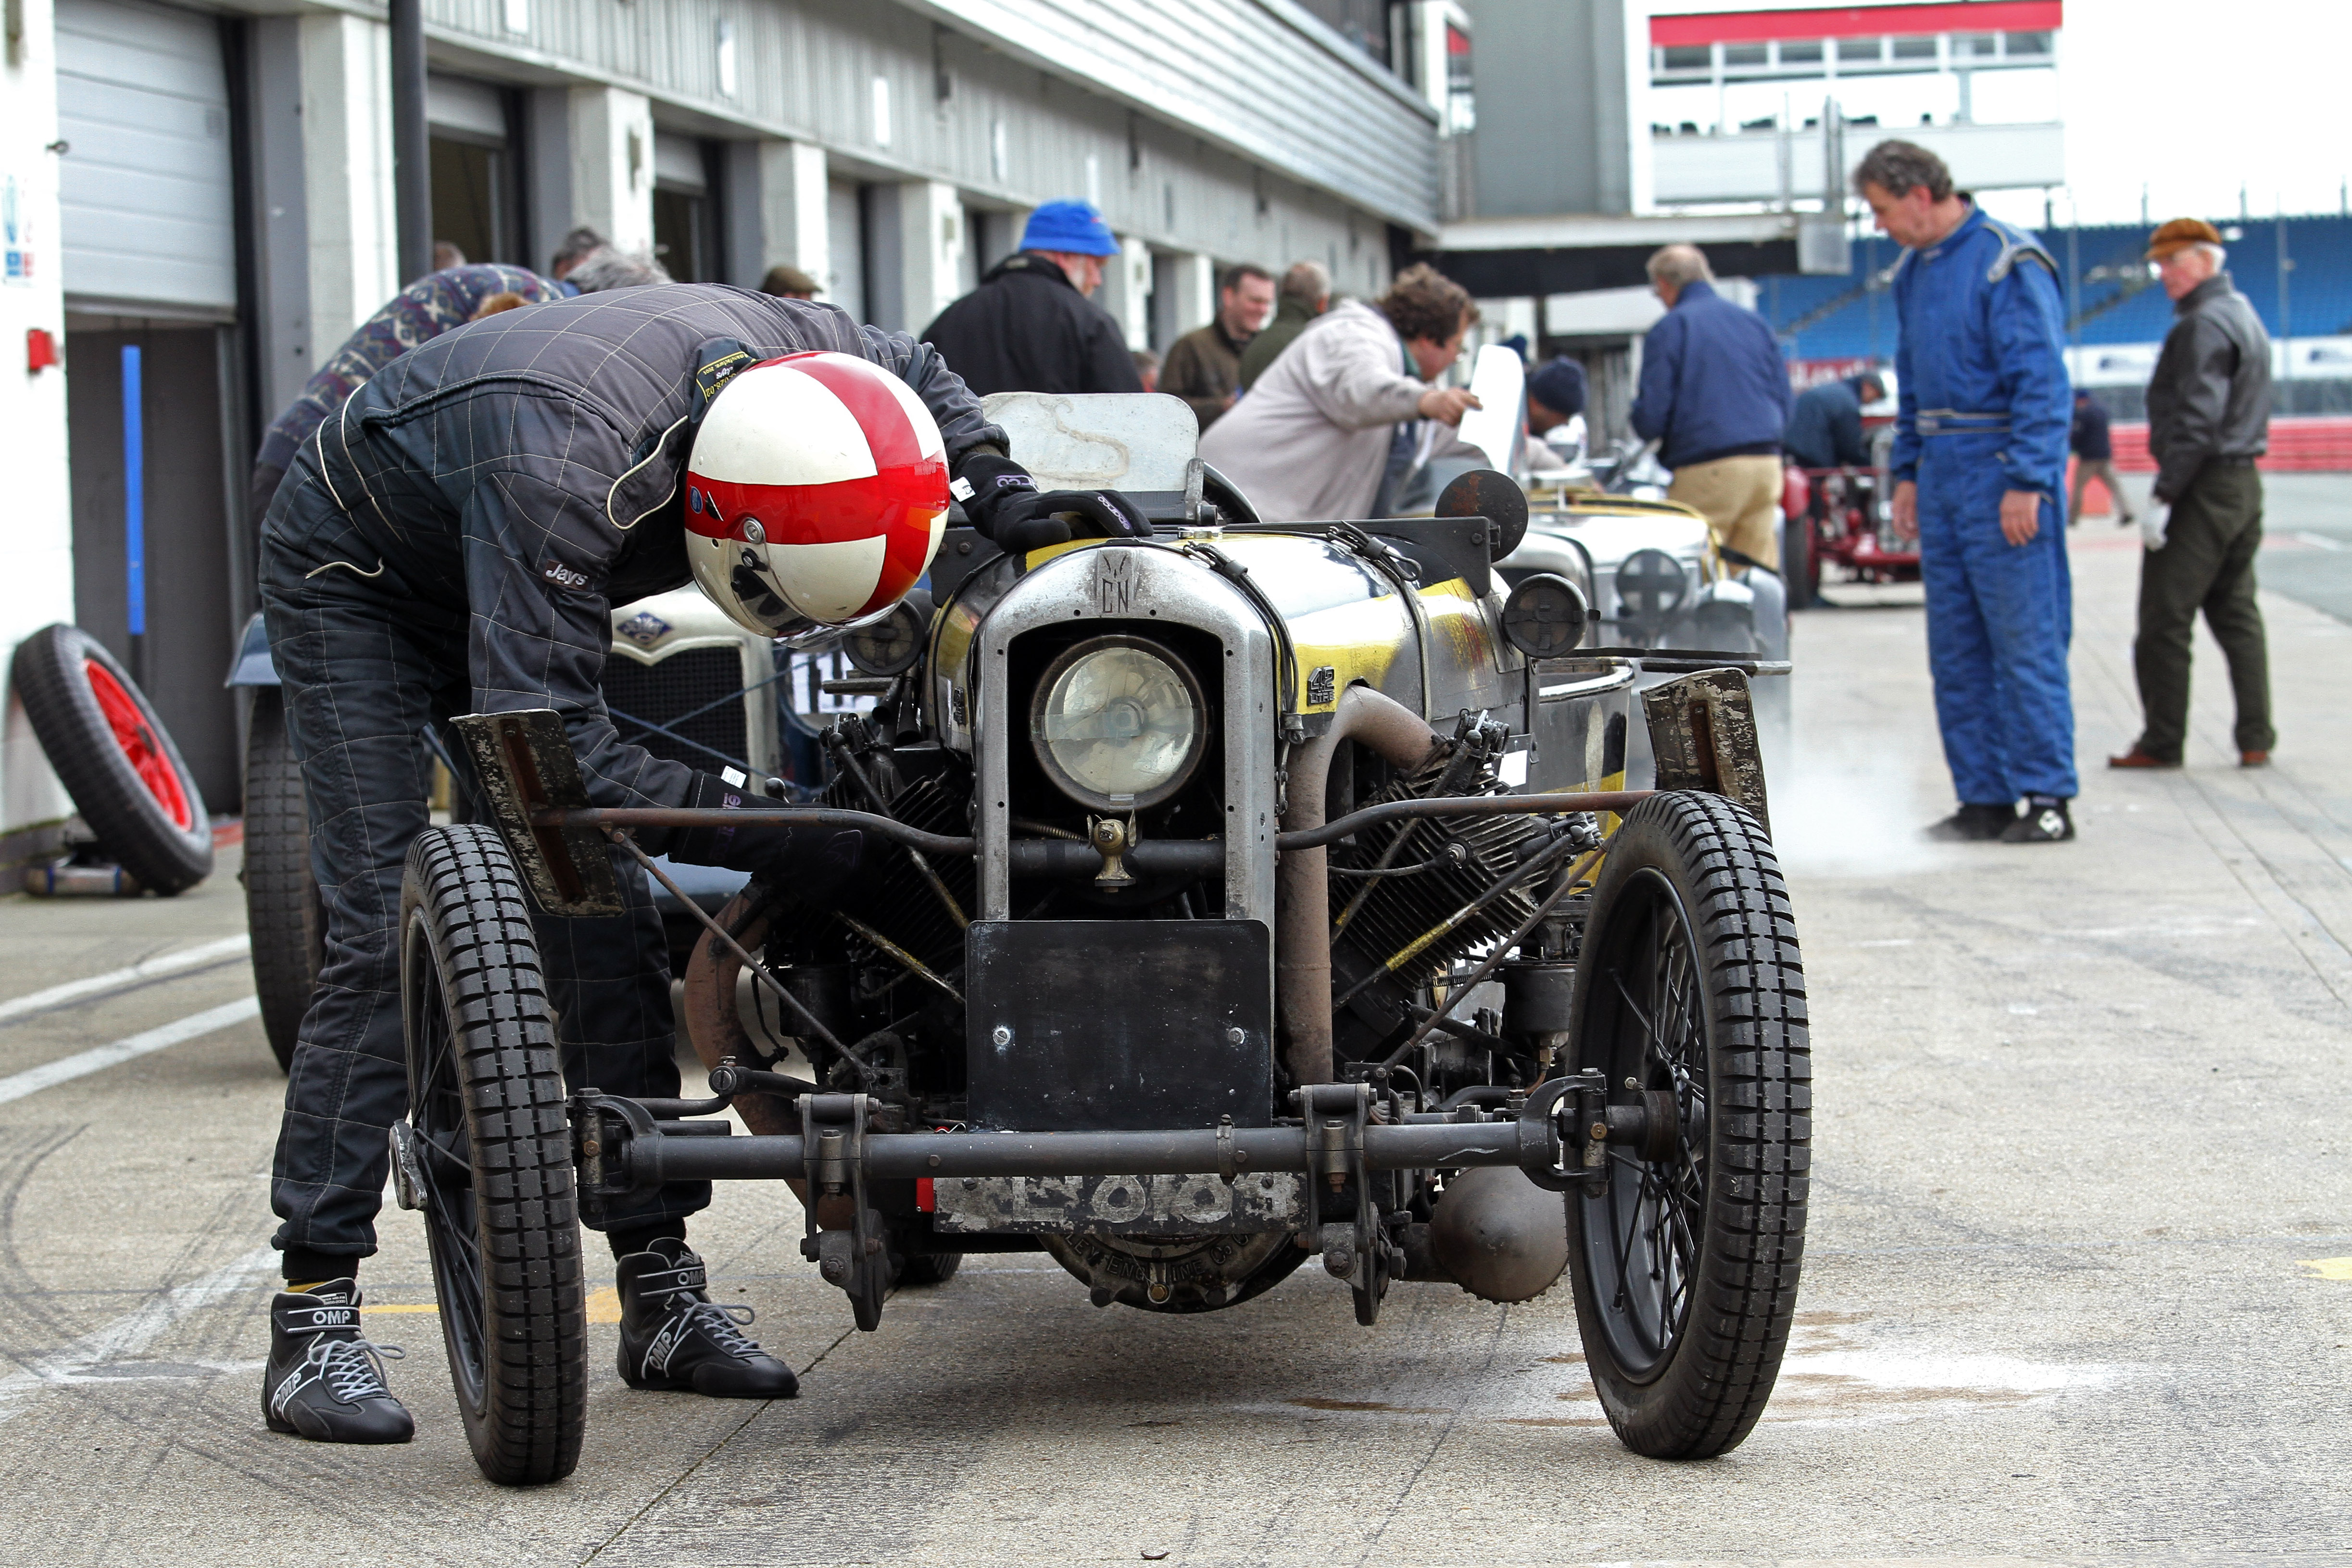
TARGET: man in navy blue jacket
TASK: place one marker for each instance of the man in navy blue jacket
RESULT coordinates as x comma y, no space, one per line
1825,431
1715,393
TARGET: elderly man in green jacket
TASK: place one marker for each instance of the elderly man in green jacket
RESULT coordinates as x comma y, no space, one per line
1306,294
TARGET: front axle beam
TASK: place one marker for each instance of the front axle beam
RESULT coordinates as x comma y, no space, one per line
1556,1137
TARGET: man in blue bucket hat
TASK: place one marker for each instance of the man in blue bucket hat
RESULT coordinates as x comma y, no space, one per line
1030,325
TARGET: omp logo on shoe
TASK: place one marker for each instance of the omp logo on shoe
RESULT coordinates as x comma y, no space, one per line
665,1345
563,576
331,1317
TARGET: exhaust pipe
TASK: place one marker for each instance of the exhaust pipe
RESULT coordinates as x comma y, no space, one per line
1302,948
710,1019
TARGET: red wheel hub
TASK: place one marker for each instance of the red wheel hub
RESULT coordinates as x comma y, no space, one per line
135,734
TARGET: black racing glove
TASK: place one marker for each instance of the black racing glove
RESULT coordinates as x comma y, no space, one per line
809,862
1006,505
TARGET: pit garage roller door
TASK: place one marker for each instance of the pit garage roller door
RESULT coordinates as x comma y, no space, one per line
146,182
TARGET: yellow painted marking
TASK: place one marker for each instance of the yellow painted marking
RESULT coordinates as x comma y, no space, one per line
604,1306
2328,1268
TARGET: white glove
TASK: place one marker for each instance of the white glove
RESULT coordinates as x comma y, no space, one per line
2153,518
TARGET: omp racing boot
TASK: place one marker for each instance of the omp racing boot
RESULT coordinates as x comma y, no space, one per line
2046,821
324,1382
674,1336
1974,824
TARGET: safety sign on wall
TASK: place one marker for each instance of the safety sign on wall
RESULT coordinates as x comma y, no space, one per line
15,236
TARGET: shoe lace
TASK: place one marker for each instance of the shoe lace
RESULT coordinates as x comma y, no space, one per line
721,1321
353,1369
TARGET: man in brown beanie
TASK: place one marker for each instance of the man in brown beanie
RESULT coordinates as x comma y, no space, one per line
790,283
2208,408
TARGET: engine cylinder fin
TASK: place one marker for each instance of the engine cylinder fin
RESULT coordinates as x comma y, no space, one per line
1401,923
891,895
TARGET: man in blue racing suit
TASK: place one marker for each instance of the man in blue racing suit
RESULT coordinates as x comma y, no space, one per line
1979,459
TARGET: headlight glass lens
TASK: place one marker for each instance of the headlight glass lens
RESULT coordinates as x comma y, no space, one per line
1118,725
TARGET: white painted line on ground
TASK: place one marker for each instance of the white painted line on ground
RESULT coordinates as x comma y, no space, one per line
134,1331
2321,541
33,1080
145,971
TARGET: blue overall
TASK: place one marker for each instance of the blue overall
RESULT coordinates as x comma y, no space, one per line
1985,408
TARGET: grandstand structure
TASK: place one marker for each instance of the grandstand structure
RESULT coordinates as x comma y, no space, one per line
1756,120
2117,315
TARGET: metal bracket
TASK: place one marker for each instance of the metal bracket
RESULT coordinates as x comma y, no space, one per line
856,1258
524,764
1561,1116
1337,1115
1702,733
615,1146
408,1188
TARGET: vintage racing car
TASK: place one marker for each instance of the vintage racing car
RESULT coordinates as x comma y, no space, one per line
1250,894
1652,574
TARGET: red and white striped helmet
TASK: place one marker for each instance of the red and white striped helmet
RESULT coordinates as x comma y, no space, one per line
816,494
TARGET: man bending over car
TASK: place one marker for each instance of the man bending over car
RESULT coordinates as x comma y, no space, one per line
452,540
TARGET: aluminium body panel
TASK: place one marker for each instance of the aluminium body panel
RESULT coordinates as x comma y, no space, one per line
1126,587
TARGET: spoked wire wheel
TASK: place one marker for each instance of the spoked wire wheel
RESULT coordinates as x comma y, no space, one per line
1691,1002
487,1155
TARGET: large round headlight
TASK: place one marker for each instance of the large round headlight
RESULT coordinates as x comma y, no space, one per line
1651,585
1118,724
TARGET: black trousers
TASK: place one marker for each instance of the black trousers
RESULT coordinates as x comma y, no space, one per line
367,664
2206,563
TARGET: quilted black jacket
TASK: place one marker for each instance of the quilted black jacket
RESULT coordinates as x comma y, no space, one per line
524,470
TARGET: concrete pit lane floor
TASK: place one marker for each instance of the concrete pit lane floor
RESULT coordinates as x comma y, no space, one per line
2079,1288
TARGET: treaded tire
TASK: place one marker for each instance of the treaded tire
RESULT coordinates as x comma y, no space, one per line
1686,1271
1800,563
153,826
929,1269
283,908
494,1157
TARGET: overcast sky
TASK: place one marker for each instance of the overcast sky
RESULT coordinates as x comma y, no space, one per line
2190,99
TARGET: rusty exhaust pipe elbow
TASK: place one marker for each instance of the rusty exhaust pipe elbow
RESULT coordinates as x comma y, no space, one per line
711,1021
1303,886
